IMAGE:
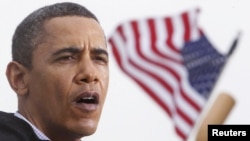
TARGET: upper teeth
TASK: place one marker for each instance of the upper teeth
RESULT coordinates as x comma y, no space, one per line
87,97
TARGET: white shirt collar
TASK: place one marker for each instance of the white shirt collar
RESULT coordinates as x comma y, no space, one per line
39,134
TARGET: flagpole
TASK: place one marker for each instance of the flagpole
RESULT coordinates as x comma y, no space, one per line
217,114
233,46
221,106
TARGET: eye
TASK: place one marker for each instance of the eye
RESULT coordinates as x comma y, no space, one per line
67,59
101,59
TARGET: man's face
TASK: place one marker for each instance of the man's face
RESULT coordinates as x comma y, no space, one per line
69,79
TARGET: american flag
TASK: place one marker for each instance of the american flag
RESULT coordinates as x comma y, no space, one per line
171,59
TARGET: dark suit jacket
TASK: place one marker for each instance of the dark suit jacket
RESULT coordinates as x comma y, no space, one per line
14,129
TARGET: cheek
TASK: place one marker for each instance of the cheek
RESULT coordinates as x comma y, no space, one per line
105,81
104,75
61,76
62,84
52,83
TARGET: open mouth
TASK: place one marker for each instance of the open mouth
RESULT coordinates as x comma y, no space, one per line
87,101
87,98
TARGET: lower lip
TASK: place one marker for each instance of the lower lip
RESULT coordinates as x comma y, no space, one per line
87,107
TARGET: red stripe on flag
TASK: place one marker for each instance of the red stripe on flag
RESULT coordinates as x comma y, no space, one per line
173,89
186,24
180,133
145,88
170,31
138,49
190,101
153,35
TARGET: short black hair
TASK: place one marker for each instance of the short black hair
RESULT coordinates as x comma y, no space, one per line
29,33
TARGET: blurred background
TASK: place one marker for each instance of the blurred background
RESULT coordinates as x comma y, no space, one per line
129,113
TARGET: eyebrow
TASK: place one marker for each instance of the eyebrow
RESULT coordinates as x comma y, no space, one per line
75,50
67,50
99,51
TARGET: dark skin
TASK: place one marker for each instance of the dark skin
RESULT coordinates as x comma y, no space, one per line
70,67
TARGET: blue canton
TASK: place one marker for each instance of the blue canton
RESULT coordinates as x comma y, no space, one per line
204,65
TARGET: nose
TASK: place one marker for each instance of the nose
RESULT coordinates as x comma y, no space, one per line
87,72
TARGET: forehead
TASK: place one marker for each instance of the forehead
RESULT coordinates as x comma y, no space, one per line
74,29
70,31
72,22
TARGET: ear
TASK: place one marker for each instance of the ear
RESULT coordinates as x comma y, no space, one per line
17,76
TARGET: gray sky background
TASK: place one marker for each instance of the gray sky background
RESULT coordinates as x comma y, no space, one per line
129,114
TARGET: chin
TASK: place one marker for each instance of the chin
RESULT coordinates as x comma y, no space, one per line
89,132
87,129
